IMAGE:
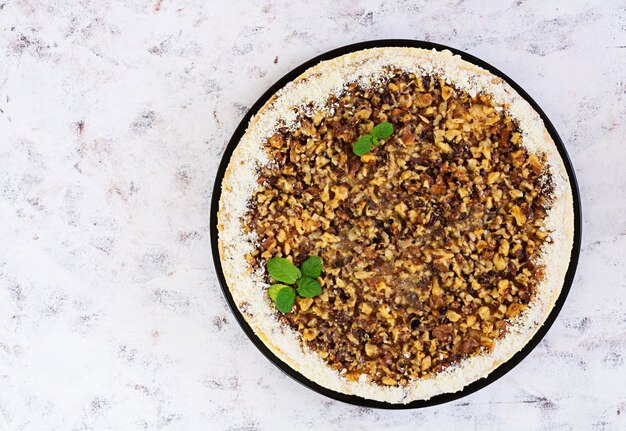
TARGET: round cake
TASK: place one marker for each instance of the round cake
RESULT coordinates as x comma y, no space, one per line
395,223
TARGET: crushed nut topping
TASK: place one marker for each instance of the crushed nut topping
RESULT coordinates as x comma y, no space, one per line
430,242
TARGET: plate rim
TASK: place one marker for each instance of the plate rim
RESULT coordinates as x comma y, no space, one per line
476,385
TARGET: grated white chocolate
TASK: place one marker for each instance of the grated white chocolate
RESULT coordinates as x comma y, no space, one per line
313,88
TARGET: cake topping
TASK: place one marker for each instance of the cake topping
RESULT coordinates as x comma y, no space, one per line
431,240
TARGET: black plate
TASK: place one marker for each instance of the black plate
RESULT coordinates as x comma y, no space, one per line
353,399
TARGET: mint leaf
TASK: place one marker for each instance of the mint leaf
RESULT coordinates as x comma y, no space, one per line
274,289
363,145
312,267
382,130
284,299
281,269
308,287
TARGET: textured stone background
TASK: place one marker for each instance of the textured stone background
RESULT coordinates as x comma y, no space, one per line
113,118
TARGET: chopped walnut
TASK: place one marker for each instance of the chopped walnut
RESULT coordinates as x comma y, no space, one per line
429,242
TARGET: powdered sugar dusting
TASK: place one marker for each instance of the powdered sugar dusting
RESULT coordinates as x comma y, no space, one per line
312,89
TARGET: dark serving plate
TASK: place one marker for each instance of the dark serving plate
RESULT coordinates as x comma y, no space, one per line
353,399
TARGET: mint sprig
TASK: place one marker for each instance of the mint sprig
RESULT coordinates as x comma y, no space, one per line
363,145
282,270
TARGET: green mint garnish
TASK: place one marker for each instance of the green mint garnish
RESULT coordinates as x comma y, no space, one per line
382,130
285,299
363,145
281,269
312,267
308,287
273,290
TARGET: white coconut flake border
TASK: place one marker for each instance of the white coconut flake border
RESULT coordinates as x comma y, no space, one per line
313,88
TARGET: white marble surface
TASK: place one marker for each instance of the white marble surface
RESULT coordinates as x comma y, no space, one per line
113,118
